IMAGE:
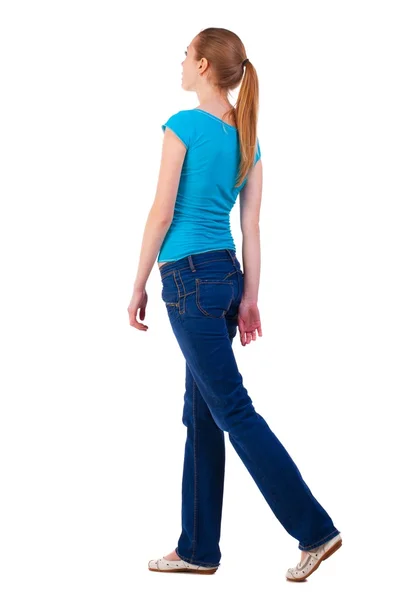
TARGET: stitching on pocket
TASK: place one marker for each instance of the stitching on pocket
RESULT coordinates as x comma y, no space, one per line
229,274
199,282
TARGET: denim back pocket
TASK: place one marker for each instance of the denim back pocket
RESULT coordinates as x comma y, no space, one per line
214,298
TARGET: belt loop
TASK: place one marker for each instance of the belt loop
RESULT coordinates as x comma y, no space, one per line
190,261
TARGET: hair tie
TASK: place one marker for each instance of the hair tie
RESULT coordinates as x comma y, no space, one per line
245,61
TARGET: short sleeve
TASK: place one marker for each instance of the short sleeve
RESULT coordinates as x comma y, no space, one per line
258,153
179,124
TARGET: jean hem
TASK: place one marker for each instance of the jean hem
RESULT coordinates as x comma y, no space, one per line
197,562
324,540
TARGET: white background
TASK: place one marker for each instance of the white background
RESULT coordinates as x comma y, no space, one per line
91,438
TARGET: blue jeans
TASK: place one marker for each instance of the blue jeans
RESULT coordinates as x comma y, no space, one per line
202,293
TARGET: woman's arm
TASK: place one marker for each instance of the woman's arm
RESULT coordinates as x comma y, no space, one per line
158,222
249,322
153,236
251,263
161,213
250,202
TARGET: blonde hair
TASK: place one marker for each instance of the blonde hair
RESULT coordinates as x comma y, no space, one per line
225,53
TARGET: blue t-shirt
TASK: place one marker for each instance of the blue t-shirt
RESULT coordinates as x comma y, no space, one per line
206,193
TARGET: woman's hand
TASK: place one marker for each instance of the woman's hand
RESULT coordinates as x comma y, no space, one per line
248,321
139,301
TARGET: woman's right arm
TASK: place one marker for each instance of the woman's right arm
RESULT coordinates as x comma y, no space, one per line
250,201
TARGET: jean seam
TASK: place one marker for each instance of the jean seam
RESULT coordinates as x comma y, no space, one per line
179,295
240,290
319,543
215,281
166,274
195,442
229,274
182,297
182,282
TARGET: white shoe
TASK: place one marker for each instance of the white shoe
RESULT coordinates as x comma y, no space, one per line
312,561
179,566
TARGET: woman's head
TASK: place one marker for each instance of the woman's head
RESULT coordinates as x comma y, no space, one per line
214,60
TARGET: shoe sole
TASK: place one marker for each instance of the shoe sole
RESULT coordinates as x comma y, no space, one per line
324,557
194,571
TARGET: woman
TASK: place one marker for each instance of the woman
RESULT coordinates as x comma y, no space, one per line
210,155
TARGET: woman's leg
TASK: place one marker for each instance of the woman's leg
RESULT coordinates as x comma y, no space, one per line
202,294
202,302
202,482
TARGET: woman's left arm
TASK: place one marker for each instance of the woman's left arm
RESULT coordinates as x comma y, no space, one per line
158,221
